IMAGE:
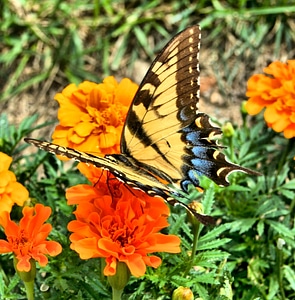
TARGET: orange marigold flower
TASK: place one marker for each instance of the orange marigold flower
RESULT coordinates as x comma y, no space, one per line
276,93
93,174
119,225
92,115
28,239
11,191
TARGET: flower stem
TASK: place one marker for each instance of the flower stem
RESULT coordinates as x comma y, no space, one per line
279,272
29,289
28,278
197,230
117,294
119,280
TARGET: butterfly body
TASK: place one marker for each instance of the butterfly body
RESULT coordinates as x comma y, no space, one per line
166,143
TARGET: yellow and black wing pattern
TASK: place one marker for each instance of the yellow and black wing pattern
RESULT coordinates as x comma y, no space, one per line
164,131
166,143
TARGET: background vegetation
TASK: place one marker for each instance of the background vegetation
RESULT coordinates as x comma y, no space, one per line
47,44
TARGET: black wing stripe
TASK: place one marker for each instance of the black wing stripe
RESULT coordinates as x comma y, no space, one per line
165,103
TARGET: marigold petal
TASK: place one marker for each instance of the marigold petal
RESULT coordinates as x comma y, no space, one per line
280,125
41,235
126,91
53,248
34,223
81,193
87,248
80,229
289,132
23,264
152,261
71,111
67,91
60,133
5,247
92,173
5,179
5,162
109,247
85,88
136,265
76,139
110,81
41,259
11,228
19,193
277,69
165,243
91,145
84,129
70,117
260,85
99,97
127,250
111,266
6,206
107,140
254,106
271,115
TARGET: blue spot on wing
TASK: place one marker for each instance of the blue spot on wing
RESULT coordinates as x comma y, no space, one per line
198,166
193,137
199,152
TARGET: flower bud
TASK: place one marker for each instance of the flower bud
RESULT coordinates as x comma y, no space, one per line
198,207
121,278
243,108
26,276
182,293
280,243
228,130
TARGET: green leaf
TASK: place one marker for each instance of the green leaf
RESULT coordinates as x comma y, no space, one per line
214,233
290,185
273,287
280,228
205,258
289,274
212,244
260,227
244,149
242,225
208,200
287,193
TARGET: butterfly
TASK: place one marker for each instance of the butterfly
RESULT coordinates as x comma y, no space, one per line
166,143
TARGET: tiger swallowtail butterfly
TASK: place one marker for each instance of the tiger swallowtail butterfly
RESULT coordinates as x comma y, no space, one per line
166,143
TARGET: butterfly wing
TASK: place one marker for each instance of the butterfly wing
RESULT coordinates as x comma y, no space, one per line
120,166
164,131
